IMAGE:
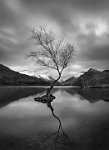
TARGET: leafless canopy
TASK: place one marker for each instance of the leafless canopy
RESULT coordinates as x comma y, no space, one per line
51,50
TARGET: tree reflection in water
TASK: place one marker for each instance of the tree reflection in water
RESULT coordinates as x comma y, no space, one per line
59,139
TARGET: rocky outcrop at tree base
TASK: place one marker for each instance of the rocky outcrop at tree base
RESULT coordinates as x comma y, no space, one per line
45,98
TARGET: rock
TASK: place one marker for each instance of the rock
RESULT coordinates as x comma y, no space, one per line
45,98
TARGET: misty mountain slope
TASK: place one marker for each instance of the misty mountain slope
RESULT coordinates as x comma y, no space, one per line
10,77
69,82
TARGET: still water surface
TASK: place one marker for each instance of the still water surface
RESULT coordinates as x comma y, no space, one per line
75,120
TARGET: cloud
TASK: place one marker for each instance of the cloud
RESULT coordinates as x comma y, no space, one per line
98,53
82,21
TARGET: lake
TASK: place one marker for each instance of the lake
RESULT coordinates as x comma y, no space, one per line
78,119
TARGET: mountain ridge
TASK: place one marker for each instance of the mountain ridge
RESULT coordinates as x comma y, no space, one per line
11,77
93,78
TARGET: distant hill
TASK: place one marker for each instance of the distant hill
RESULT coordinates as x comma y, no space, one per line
93,78
9,77
69,82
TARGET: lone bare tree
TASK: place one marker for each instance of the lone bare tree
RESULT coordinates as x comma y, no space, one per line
51,52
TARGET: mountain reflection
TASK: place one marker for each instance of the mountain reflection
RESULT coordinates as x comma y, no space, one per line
58,139
91,94
10,94
69,122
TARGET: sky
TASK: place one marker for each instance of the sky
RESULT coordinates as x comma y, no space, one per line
82,22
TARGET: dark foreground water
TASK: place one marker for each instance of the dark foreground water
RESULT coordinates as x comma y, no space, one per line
75,120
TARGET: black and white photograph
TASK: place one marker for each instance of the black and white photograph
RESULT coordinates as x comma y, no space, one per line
54,74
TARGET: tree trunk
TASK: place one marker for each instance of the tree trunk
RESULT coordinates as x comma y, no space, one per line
52,85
